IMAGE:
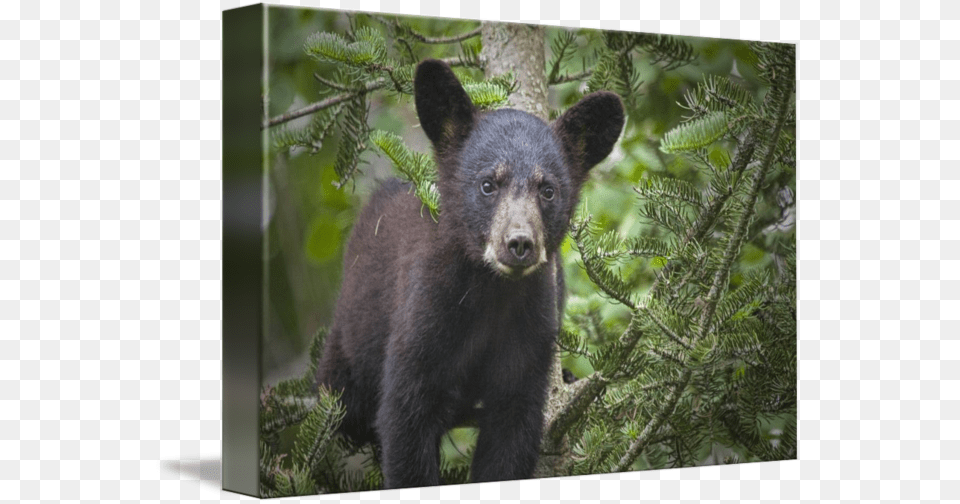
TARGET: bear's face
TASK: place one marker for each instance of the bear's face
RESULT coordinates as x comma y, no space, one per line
513,191
509,182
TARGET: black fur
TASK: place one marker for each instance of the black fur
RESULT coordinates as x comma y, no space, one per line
425,329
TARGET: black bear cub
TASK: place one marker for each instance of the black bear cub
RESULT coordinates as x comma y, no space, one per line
439,322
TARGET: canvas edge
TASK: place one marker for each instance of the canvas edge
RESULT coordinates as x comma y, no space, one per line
242,246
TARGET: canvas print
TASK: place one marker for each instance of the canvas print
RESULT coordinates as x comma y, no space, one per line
496,251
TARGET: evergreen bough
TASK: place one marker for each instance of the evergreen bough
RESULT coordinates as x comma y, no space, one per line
712,361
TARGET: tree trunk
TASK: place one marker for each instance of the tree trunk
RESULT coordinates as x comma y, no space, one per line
521,49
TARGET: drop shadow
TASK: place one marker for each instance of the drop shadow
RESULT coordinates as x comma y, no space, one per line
206,471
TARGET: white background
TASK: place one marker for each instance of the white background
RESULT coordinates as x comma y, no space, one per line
110,226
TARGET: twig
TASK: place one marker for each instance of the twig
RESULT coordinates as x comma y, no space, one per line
332,84
340,98
668,356
666,330
646,435
589,257
566,41
322,104
445,40
570,78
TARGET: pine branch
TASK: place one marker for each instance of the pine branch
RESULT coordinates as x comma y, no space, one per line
666,355
584,393
569,341
354,131
708,217
368,48
736,239
367,53
487,95
750,291
610,247
614,68
609,283
590,388
666,215
404,29
333,84
614,71
654,425
444,40
709,306
696,133
611,358
663,327
562,79
667,48
416,167
322,104
662,187
560,47
717,94
317,431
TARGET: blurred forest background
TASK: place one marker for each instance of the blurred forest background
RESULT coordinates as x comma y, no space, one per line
312,204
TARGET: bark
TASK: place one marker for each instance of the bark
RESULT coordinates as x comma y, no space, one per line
520,49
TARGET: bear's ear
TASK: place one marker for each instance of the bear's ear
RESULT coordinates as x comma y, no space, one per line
445,111
589,129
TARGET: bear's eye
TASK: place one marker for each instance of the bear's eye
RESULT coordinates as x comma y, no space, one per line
487,187
547,193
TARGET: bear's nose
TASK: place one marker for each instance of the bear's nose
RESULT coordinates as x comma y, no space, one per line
520,245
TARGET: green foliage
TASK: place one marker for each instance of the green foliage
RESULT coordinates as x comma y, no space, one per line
718,94
486,95
317,430
367,50
314,414
291,401
311,137
416,167
593,257
697,134
614,72
318,459
682,192
563,48
360,62
707,363
616,68
354,131
672,51
278,481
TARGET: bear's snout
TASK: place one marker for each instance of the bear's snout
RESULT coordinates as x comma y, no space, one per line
515,247
520,244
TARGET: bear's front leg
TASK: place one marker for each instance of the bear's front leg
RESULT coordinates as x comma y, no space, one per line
509,441
410,422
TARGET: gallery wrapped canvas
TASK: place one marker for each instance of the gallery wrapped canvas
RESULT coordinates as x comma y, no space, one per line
459,251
